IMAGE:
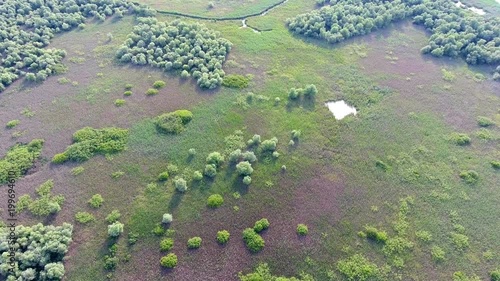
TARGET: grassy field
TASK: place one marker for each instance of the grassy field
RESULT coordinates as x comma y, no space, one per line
341,175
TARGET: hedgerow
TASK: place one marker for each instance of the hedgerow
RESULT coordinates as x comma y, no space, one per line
19,159
27,28
89,141
455,31
40,255
177,46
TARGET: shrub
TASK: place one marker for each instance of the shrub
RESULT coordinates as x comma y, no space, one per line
269,145
277,100
296,134
169,123
283,167
132,238
185,115
234,156
495,164
495,275
249,156
197,176
211,5
247,180
253,241
12,123
77,170
194,243
127,93
172,169
375,235
291,143
437,254
96,201
310,91
163,176
128,86
192,152
59,158
215,158
244,168
84,217
261,225
396,246
113,217
115,229
210,170
18,159
460,139
469,177
276,154
167,218
119,102
255,140
215,201
169,261
235,81
159,84
302,229
151,92
184,74
223,236
45,204
424,235
180,184
110,262
158,230
293,94
358,268
460,240
117,174
166,244
484,121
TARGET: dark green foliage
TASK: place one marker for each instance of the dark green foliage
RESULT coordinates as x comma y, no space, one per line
495,164
159,84
235,81
223,236
110,262
210,170
27,28
128,86
40,254
84,217
253,241
382,165
173,122
19,159
215,201
373,234
294,94
46,204
302,229
484,121
358,268
470,176
89,141
495,275
177,46
194,243
166,244
455,31
261,225
169,261
460,139
310,91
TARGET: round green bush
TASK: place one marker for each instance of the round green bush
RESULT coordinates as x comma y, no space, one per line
169,123
253,241
192,152
249,156
185,115
159,84
302,229
151,92
495,275
215,201
460,139
114,216
180,184
235,156
59,158
261,225
484,121
128,86
169,261
84,217
223,236
215,158
244,168
194,243
167,218
163,176
127,93
210,171
247,180
166,244
197,176
96,201
115,229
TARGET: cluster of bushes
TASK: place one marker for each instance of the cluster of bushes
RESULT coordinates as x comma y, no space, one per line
39,252
27,28
374,234
19,159
455,31
357,267
470,176
188,48
169,261
309,92
89,141
262,272
236,81
173,122
253,240
46,203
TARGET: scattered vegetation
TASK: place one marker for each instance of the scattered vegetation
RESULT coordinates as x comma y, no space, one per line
12,123
119,102
460,139
46,203
357,267
84,217
469,177
485,121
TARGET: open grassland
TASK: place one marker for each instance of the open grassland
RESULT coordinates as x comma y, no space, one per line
341,175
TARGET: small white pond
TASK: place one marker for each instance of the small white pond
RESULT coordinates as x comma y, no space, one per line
340,109
473,9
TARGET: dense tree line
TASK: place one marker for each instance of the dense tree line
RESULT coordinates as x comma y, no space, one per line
455,31
39,251
188,48
27,26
